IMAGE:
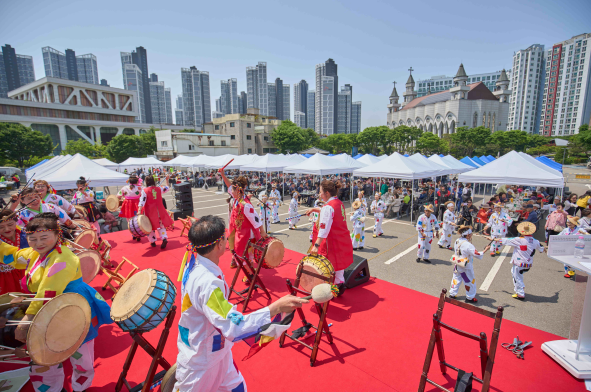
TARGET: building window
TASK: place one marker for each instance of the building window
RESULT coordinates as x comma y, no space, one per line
217,127
231,125
232,137
250,150
223,142
248,125
164,144
248,137
265,150
475,122
266,138
191,147
211,143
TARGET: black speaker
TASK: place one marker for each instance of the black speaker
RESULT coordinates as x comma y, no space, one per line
180,214
182,187
357,273
183,196
184,205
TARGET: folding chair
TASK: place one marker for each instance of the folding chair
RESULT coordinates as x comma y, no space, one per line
114,275
187,223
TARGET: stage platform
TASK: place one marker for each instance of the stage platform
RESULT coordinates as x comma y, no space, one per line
381,332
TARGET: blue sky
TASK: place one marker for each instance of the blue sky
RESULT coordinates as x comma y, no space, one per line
373,42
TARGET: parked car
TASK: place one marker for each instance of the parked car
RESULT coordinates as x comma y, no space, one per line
9,172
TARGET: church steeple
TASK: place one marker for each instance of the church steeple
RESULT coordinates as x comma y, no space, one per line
410,92
394,106
460,88
502,91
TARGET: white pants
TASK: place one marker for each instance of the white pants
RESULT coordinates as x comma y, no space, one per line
518,285
445,239
339,276
51,378
276,212
463,275
424,246
496,245
293,221
224,376
161,232
358,236
377,228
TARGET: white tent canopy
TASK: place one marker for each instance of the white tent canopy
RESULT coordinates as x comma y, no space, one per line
79,166
140,162
441,170
540,164
48,167
320,165
383,156
220,161
397,166
199,161
349,161
272,163
181,160
370,159
513,168
457,164
451,165
106,163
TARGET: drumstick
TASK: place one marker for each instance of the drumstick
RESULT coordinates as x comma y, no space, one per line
222,169
293,217
21,191
322,293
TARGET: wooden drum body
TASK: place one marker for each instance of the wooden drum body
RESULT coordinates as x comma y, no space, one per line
144,301
140,226
90,264
113,203
275,252
169,380
319,265
86,238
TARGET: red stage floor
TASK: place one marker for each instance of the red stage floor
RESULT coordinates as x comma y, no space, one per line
381,333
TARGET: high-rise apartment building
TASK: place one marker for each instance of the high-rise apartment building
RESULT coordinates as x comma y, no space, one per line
242,103
26,69
310,112
196,97
527,86
272,89
153,77
326,105
158,101
257,88
278,99
104,83
356,117
439,83
16,70
168,102
132,75
178,111
229,97
286,100
300,96
139,57
299,118
67,65
344,109
566,104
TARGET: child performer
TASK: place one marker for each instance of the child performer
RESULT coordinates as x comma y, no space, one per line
293,211
358,232
84,196
448,226
465,252
275,196
378,207
131,194
266,210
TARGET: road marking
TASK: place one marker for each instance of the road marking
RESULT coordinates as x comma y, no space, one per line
204,208
399,255
495,268
279,231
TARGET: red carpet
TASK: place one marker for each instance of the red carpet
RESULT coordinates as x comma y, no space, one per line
381,333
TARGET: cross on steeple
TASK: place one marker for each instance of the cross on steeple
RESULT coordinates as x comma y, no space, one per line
410,69
394,84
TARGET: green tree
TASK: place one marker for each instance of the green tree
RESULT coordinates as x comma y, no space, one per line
541,150
537,140
22,144
312,138
148,142
466,140
289,138
402,138
124,146
429,144
371,139
84,147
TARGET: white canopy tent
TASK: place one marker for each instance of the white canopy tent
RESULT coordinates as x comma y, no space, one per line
397,166
78,166
370,159
514,168
48,167
457,164
442,162
271,163
220,161
540,164
181,160
383,156
441,170
320,165
239,161
144,163
106,163
199,161
349,161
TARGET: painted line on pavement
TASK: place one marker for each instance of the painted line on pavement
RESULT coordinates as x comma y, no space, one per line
279,231
399,255
205,208
495,268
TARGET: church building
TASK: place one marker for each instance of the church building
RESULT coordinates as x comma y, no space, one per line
463,105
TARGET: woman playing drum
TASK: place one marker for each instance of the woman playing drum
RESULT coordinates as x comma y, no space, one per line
10,277
30,198
151,205
131,194
44,190
84,196
52,269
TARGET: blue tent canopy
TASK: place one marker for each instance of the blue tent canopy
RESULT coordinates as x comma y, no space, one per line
357,156
468,162
406,155
550,163
484,159
39,164
491,158
331,155
477,160
441,155
306,155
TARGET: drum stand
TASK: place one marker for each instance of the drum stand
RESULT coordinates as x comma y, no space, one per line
116,276
245,266
187,223
155,353
322,309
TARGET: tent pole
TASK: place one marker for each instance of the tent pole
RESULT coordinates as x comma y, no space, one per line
412,199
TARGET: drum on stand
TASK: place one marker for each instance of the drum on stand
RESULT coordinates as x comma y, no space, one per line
113,203
144,301
85,238
81,212
90,263
82,223
140,226
317,264
275,252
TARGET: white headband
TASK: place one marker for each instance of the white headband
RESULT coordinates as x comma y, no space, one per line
469,231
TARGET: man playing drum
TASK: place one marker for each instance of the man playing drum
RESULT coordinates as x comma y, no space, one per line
151,205
333,240
52,269
209,324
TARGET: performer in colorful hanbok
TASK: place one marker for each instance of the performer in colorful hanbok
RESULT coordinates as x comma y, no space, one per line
275,196
464,253
449,219
131,195
378,207
45,191
266,207
358,232
151,205
426,225
52,269
572,228
31,199
332,240
209,324
84,196
293,211
524,249
499,223
314,218
10,277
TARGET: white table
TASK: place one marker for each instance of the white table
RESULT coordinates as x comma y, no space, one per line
575,355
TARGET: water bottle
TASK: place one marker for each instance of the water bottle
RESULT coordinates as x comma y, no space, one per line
580,247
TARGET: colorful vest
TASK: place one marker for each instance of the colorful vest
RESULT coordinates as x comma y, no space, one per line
154,209
337,246
240,227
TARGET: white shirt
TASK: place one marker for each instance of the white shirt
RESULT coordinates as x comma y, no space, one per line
83,197
60,202
378,207
464,248
326,218
129,193
523,250
448,218
427,225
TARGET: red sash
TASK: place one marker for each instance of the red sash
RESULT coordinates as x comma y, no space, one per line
337,246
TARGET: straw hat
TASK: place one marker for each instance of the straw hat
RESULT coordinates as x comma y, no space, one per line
451,203
356,204
573,219
526,228
498,205
429,207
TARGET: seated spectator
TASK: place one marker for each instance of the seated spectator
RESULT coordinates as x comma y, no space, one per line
109,220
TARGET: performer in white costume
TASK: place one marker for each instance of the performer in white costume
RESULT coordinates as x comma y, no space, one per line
209,324
463,258
363,201
293,211
378,207
266,210
358,219
449,219
523,255
44,190
318,203
572,228
499,223
275,196
426,225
